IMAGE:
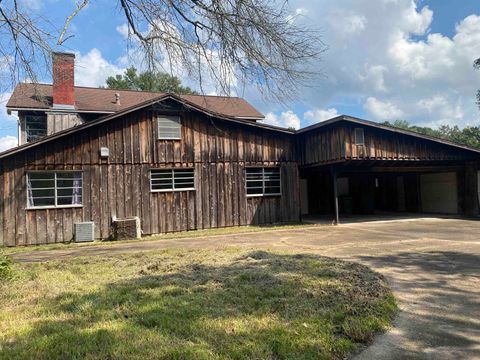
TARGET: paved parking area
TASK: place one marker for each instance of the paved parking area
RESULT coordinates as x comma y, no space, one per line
433,266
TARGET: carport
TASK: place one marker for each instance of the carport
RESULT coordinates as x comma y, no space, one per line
373,169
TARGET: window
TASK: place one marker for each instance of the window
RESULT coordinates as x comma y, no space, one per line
54,189
359,137
262,181
172,179
169,128
35,127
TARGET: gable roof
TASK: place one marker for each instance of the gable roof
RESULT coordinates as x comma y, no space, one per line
99,100
393,129
181,100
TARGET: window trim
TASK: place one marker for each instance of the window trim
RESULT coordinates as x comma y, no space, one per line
356,137
263,194
173,179
159,137
56,206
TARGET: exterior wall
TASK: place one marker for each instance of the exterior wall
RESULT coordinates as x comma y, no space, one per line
56,121
336,143
218,150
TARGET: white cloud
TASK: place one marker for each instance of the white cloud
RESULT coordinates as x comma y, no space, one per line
92,69
317,115
381,110
287,119
382,54
8,142
123,30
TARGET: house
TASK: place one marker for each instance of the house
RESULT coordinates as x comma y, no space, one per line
181,163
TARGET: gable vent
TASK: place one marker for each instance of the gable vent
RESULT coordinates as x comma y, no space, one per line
85,231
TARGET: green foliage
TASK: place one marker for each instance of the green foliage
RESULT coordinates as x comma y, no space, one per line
476,66
469,136
147,81
5,267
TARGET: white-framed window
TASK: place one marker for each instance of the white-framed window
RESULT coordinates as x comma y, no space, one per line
359,136
54,189
35,127
179,179
169,127
263,181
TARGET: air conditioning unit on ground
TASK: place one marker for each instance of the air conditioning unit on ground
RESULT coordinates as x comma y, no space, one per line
84,231
128,228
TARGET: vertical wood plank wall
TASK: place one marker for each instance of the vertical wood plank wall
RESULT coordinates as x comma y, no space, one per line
337,142
218,150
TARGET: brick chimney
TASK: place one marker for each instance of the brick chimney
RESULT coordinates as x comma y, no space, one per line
63,81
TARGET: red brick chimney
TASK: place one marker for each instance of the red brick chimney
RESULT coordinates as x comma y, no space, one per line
63,80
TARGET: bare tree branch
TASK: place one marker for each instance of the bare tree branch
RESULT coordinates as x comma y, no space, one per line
61,38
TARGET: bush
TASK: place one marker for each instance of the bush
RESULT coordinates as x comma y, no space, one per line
5,267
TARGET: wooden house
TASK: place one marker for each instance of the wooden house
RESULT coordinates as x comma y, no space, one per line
180,163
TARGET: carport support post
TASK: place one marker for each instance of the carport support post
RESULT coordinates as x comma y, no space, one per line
335,196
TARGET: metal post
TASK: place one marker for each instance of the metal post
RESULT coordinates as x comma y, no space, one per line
335,196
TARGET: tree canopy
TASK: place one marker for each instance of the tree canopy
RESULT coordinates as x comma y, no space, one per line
147,81
221,44
469,136
476,65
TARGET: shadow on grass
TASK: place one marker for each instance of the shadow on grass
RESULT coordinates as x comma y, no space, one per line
257,305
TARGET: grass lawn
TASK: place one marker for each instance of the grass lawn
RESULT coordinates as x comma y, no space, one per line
167,236
176,304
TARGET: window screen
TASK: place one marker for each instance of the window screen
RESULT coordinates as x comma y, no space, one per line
263,181
54,189
35,127
359,137
172,179
169,127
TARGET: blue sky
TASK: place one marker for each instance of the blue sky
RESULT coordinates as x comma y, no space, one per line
387,60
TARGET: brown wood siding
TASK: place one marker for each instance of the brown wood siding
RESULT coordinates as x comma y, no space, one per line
337,143
119,186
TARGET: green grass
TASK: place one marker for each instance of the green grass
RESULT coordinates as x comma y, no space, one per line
167,236
177,304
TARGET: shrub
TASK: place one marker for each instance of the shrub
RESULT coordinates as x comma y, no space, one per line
5,267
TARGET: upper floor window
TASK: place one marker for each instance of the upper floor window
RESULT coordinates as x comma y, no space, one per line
359,136
54,189
169,127
262,181
179,179
35,127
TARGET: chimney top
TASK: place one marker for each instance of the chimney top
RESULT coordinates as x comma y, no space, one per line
117,99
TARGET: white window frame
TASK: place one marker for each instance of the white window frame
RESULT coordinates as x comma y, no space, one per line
174,119
263,180
172,189
357,142
56,206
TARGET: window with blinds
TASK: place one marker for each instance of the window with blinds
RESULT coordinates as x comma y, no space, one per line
263,181
169,128
172,179
54,189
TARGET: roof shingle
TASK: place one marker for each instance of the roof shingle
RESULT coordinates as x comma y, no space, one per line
39,96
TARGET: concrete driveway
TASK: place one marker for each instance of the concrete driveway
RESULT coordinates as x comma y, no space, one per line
433,266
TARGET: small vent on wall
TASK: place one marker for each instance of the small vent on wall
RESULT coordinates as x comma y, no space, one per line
85,231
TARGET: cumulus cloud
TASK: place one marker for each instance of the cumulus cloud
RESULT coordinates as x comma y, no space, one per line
383,110
383,55
317,115
92,69
8,142
287,119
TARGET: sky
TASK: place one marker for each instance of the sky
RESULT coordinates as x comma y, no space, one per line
386,60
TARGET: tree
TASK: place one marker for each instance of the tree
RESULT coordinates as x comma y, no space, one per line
469,136
222,43
476,66
147,81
